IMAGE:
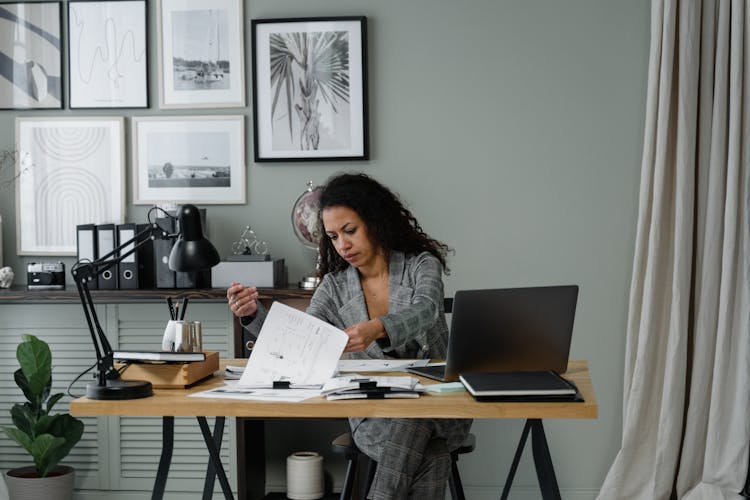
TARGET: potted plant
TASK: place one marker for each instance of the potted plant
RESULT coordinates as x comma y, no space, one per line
48,438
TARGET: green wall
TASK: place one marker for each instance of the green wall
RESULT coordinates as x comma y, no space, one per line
514,130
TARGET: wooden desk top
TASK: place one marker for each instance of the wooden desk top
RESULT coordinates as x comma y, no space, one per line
175,402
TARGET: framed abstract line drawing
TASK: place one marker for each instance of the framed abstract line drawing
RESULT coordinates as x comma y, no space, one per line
107,54
201,54
31,55
77,176
310,89
188,159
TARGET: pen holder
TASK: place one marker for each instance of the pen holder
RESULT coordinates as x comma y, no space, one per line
182,336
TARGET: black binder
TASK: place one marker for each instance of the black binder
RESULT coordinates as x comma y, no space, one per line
146,274
86,244
128,266
105,240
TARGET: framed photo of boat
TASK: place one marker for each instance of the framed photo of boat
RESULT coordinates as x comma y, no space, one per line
107,56
310,89
188,159
201,54
31,55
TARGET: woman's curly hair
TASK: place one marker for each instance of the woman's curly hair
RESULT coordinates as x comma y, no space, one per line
390,225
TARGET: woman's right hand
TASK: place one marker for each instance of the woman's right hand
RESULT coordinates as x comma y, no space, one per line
242,300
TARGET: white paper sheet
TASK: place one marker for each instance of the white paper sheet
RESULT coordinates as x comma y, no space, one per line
379,365
293,346
232,391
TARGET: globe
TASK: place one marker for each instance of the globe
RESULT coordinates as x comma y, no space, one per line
305,224
305,216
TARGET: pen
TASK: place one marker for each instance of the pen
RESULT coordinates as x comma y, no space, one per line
184,308
171,308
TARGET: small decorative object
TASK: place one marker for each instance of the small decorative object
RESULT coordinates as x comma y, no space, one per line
188,159
248,244
310,89
201,54
6,277
46,437
305,224
31,51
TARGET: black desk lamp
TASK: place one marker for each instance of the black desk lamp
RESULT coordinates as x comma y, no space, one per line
191,252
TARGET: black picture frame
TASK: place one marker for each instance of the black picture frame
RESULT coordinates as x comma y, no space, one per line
325,119
108,54
32,74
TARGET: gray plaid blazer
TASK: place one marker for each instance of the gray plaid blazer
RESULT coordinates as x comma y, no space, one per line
415,322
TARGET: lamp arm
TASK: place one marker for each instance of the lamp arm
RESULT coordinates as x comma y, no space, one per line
84,271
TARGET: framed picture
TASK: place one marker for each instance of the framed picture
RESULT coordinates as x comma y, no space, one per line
201,54
107,56
188,159
31,55
310,89
72,173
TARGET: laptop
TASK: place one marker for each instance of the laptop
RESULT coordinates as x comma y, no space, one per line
508,330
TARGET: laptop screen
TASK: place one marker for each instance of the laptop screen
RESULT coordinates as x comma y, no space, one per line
511,329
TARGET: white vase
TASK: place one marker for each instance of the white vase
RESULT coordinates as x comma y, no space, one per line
24,485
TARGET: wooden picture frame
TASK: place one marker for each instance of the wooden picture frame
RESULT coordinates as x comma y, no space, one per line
188,159
305,110
72,172
201,54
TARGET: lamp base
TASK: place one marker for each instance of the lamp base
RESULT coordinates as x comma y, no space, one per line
120,389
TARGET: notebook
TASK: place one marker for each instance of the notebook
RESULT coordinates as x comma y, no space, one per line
508,329
499,386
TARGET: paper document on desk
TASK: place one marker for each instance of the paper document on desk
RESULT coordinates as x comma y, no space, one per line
232,391
293,347
379,365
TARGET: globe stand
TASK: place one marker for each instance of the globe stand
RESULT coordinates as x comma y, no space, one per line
311,282
305,224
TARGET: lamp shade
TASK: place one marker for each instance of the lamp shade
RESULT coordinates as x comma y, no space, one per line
192,251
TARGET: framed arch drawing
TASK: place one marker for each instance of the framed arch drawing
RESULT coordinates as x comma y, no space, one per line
71,172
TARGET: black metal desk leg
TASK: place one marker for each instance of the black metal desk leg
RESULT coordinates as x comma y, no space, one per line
516,459
208,485
215,459
545,472
167,445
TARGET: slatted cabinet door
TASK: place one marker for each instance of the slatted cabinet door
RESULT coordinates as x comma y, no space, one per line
140,327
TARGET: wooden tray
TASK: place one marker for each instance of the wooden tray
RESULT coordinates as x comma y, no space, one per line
172,375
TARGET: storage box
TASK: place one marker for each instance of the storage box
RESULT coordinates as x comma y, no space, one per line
263,274
172,375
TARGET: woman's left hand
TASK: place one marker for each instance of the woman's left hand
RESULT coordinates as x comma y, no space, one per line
361,335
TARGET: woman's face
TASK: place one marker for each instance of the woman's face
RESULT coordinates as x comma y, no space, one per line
348,234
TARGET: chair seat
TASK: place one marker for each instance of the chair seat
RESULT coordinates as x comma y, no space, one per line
344,444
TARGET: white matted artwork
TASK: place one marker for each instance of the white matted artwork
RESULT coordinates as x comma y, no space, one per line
107,58
310,89
188,159
76,177
201,54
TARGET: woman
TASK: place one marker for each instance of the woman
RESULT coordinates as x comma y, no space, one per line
381,284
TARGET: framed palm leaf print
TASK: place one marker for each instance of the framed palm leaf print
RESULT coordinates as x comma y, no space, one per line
310,89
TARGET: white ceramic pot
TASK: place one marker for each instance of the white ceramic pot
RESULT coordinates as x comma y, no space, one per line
23,484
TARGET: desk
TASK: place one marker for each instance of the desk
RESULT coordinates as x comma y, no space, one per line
168,404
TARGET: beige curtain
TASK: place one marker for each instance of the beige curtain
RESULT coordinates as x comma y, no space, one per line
686,401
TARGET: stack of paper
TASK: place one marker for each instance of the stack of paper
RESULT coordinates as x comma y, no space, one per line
360,387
